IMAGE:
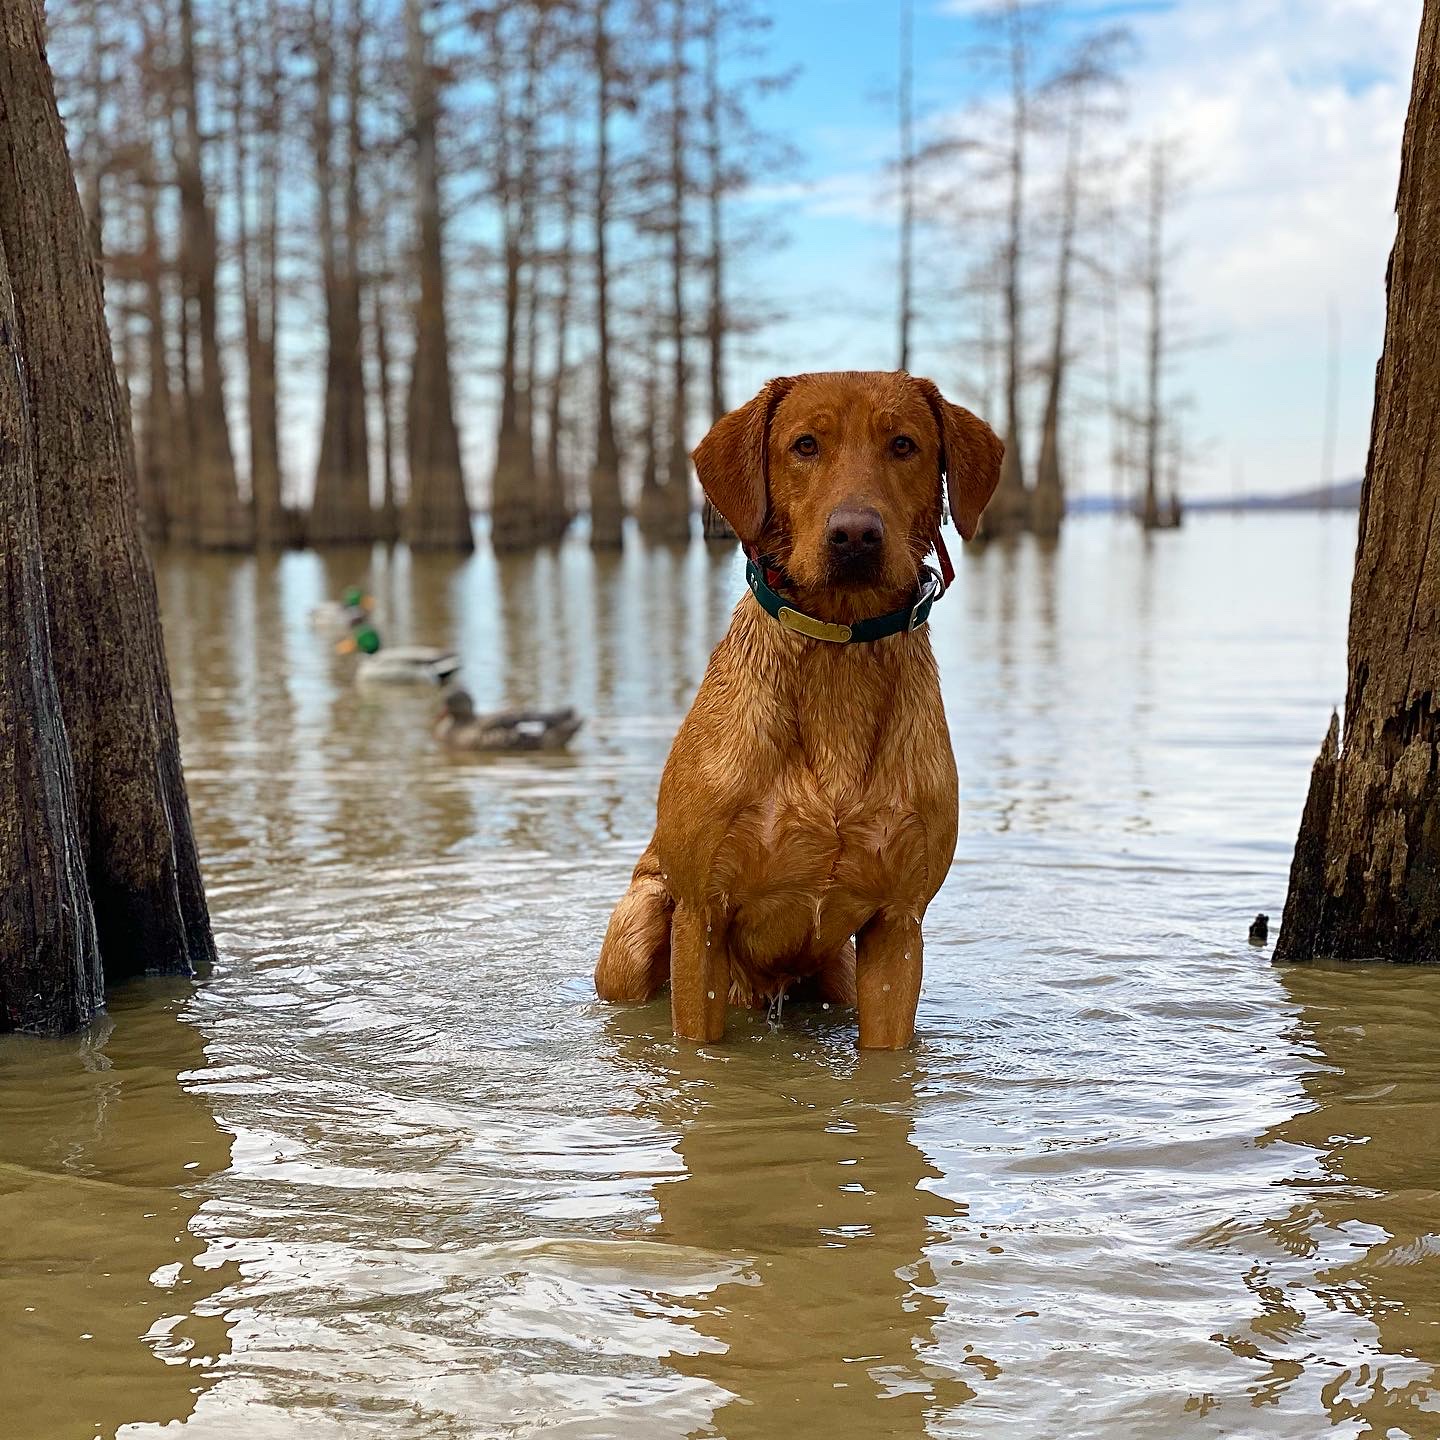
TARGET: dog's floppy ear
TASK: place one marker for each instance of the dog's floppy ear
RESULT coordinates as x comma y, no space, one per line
970,456
732,464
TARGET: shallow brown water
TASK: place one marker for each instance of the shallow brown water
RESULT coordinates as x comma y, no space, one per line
391,1171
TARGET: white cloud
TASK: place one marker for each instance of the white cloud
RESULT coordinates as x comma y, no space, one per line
1289,116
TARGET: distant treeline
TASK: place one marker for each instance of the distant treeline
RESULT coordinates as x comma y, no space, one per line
339,235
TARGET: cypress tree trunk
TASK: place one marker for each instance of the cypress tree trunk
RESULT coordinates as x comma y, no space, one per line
1009,508
340,512
557,502
714,525
437,514
1047,501
387,520
607,508
664,510
99,877
257,266
217,520
514,509
1365,882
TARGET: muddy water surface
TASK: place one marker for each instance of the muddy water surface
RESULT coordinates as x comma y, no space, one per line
390,1171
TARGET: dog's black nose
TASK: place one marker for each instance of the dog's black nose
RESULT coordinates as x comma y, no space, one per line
854,534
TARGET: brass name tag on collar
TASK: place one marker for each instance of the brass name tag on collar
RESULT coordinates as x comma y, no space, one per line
804,624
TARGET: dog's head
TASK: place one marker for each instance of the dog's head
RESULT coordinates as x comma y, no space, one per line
838,475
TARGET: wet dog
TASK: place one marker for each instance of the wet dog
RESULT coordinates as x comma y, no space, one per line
809,806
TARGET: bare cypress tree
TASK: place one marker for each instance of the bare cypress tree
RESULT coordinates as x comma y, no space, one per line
387,519
437,513
340,511
556,506
1078,87
1153,282
1047,500
714,526
214,517
664,510
253,256
676,525
607,510
1009,508
1365,882
513,510
98,872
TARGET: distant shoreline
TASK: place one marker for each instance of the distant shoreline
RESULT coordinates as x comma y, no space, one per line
1344,496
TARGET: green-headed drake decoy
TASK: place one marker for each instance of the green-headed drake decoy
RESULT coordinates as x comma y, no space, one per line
399,664
334,617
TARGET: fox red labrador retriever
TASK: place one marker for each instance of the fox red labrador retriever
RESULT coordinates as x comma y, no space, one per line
809,806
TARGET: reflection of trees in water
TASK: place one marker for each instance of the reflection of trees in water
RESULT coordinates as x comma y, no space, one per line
800,1166
102,1302
1362,1241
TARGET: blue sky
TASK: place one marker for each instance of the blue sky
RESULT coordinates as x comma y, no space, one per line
1288,115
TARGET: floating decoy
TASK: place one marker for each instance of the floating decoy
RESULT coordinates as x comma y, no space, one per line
399,665
459,727
334,617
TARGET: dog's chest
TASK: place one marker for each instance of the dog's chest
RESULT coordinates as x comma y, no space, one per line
801,873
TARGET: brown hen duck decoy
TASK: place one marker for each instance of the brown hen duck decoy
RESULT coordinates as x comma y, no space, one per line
459,727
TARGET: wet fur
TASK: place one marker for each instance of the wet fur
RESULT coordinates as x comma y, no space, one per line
810,799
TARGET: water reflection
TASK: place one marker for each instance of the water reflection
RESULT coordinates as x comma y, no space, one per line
1363,1238
105,1155
800,1170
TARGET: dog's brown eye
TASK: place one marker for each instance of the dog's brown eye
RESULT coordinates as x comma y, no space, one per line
903,445
806,445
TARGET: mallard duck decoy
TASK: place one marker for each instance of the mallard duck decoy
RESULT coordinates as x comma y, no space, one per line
399,665
458,727
334,617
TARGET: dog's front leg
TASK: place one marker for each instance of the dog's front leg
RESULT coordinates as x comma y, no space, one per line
699,974
888,961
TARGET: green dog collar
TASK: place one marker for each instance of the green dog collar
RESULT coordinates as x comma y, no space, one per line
877,627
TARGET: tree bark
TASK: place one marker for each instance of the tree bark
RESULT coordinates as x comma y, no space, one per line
340,511
437,513
1365,882
607,508
99,877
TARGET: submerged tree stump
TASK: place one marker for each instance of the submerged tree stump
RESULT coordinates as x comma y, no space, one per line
99,877
1365,882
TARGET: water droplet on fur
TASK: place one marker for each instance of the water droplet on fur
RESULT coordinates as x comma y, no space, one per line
709,994
708,929
885,988
826,1005
907,954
